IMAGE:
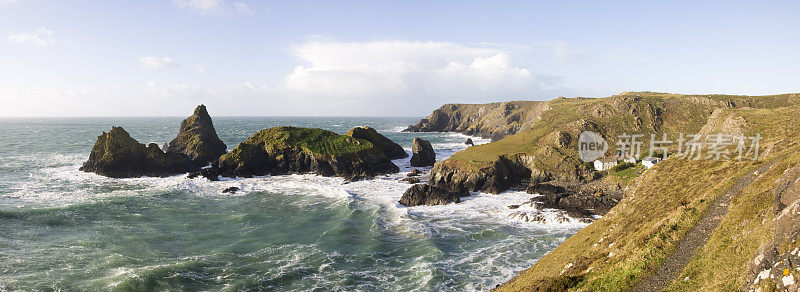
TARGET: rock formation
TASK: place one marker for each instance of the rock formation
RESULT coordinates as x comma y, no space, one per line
422,153
492,120
423,194
284,150
391,149
767,269
117,154
469,142
198,139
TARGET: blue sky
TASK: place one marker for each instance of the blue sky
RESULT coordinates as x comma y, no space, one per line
380,58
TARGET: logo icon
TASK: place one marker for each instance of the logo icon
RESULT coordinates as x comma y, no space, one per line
591,146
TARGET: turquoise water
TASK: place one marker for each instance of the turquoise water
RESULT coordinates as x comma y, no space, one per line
62,229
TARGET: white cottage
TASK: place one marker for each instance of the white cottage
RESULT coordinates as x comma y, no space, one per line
605,163
650,161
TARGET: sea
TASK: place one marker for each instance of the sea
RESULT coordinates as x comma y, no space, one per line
62,229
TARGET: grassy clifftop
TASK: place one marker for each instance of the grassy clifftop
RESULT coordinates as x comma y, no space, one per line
632,241
316,141
548,149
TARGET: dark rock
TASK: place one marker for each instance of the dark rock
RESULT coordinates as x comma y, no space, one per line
423,194
391,149
469,142
414,172
579,205
512,207
231,190
422,153
284,150
117,154
198,139
210,173
411,180
545,189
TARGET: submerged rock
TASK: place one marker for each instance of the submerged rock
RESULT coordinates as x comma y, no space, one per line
198,139
411,180
414,172
422,153
117,154
210,173
284,150
423,194
391,149
230,190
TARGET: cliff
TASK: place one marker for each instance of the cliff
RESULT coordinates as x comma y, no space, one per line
690,225
492,120
548,149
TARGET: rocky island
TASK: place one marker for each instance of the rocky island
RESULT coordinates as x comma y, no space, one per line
117,154
283,150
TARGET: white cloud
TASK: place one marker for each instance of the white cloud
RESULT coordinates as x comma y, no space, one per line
562,51
39,37
214,7
8,3
157,63
242,8
416,70
199,68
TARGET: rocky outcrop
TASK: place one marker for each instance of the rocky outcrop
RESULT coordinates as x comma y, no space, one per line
391,149
285,150
579,200
117,154
198,139
776,264
492,120
469,142
422,153
424,194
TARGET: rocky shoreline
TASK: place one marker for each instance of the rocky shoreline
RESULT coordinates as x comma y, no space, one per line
361,153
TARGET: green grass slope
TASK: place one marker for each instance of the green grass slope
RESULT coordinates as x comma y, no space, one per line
633,239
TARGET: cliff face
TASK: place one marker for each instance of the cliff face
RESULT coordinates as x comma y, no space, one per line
284,150
548,149
755,204
493,120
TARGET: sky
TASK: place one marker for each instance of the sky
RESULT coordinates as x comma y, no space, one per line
379,58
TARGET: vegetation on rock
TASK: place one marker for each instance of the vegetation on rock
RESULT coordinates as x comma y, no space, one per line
282,150
391,149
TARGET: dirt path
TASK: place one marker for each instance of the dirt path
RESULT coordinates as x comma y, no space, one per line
698,235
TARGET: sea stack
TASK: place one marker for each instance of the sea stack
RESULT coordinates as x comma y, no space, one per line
117,154
391,149
469,142
422,153
198,139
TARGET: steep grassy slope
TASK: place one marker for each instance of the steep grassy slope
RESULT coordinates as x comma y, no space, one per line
548,149
632,241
